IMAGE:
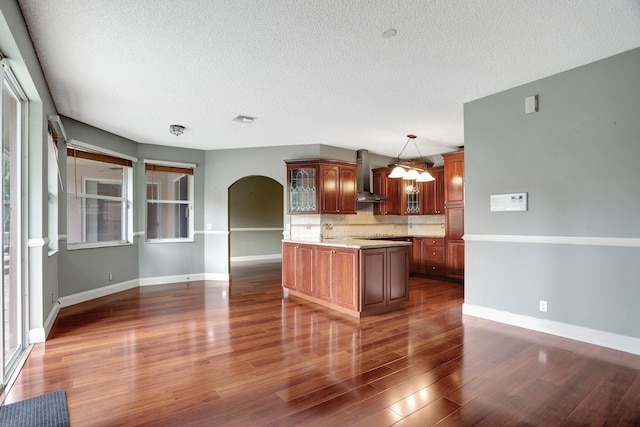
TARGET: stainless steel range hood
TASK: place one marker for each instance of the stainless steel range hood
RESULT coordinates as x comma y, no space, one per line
365,193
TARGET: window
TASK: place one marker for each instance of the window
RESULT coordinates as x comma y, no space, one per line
52,184
169,202
99,190
13,325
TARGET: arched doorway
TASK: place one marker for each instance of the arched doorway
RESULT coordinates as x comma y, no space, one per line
256,220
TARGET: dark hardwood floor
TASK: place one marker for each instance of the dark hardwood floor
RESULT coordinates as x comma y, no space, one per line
196,354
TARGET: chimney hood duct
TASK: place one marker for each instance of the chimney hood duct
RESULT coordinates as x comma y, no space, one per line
365,195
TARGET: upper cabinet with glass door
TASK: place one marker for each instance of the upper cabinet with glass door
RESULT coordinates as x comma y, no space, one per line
316,186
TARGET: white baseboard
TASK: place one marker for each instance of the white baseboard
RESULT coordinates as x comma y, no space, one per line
578,333
255,258
96,293
218,277
165,280
37,335
48,324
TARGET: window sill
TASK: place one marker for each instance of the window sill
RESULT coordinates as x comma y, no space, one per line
185,240
76,246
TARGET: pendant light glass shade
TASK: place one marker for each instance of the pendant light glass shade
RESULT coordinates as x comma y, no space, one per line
398,172
425,177
410,171
412,174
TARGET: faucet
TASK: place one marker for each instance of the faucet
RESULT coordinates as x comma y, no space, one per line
324,229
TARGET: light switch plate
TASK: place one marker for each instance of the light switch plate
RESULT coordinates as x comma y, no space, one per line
531,104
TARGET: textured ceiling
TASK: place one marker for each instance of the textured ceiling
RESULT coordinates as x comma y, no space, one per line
311,71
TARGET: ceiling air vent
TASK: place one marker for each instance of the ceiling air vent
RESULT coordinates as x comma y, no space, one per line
247,120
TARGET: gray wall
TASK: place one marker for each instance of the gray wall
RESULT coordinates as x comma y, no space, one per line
223,168
87,269
178,258
578,158
255,203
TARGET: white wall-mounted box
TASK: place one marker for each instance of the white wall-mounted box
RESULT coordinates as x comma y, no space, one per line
513,202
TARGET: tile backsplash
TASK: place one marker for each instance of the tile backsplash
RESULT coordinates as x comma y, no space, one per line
363,224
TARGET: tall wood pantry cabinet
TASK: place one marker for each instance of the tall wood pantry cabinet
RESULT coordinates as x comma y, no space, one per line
454,214
434,192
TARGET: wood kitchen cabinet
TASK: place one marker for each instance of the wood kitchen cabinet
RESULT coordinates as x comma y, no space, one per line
428,255
411,202
434,192
354,281
319,186
414,199
388,188
454,178
454,220
301,257
336,278
454,214
384,277
428,201
338,192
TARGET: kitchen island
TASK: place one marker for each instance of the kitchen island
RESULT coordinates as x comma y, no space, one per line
358,277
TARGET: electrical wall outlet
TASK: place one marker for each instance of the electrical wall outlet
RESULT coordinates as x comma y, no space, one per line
543,306
110,277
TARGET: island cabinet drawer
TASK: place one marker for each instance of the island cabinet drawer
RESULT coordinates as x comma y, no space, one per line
433,241
434,260
434,254
428,256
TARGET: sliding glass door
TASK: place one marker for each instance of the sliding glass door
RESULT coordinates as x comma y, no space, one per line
12,343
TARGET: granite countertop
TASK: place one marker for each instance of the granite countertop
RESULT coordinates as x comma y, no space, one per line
392,236
350,242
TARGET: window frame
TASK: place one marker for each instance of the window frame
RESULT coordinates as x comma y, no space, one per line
186,170
53,178
98,154
18,280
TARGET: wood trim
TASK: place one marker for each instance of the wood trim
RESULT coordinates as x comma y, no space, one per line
53,133
98,157
318,161
326,304
164,168
453,155
629,242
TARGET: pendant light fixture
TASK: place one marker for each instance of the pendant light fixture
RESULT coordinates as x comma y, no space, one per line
407,170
